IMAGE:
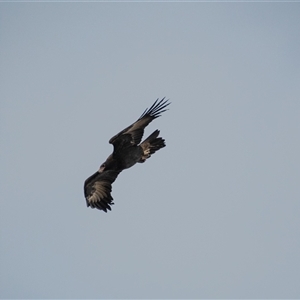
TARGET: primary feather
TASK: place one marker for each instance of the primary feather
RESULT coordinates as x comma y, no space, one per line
133,134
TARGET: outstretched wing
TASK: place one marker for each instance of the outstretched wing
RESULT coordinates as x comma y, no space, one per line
97,189
133,134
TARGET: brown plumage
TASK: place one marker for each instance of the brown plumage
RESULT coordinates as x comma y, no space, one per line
127,152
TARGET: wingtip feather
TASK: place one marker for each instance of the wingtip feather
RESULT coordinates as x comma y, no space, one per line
157,108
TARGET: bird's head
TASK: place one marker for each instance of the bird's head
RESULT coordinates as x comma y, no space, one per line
109,164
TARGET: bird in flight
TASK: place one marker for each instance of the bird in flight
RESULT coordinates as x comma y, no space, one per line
128,150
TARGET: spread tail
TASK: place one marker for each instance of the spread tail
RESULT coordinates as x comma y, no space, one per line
151,144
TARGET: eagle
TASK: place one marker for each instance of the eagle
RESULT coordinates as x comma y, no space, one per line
127,151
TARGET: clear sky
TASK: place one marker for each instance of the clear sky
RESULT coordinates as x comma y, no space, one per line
215,214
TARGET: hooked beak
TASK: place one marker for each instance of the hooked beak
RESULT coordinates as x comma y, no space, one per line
101,169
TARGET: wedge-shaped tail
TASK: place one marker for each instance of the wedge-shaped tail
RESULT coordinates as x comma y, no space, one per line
151,144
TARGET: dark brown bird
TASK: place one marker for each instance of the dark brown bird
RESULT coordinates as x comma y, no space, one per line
127,152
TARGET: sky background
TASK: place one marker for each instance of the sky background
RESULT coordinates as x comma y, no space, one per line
215,214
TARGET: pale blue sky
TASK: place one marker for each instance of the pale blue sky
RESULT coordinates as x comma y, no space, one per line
215,214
